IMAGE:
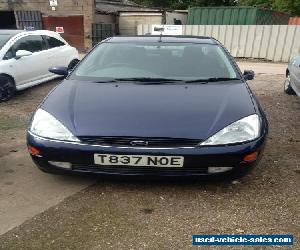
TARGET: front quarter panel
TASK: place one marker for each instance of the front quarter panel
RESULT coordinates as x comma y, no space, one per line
5,67
71,53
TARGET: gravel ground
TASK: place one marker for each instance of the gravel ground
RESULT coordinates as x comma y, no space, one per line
122,213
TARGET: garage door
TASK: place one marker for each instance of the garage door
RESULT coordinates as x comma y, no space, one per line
72,25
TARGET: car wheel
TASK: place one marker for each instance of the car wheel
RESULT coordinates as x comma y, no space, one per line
287,85
7,88
73,64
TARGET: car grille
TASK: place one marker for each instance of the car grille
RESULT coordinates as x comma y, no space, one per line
140,142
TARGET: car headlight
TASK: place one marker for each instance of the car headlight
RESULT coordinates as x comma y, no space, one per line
246,129
47,126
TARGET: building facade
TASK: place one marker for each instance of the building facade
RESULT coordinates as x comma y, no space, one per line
83,23
75,16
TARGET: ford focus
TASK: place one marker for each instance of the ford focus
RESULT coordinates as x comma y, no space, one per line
150,105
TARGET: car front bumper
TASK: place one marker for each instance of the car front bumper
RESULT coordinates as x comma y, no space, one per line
197,161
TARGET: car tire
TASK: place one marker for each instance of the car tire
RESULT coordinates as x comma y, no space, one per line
7,88
287,85
72,64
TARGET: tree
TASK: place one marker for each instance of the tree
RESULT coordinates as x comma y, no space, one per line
184,4
289,6
260,3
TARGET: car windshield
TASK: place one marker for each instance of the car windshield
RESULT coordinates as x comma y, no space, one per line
176,61
4,39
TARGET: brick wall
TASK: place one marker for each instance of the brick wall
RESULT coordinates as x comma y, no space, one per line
72,7
88,8
4,5
99,18
128,22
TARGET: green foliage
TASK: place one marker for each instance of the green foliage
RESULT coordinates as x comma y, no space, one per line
183,4
290,6
261,3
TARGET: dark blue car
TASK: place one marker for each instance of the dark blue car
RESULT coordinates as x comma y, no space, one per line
167,106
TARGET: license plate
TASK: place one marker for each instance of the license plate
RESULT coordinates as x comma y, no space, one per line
139,160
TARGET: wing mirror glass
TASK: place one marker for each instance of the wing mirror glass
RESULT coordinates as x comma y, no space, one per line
22,53
59,70
248,75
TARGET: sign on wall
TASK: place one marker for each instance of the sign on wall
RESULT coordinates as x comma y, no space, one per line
171,30
59,30
53,3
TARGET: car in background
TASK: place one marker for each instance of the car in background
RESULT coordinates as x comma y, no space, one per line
292,82
151,105
25,57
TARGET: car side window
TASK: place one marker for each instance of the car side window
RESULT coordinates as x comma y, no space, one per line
9,54
53,42
30,43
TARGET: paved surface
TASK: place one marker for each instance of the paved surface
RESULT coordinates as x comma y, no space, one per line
64,212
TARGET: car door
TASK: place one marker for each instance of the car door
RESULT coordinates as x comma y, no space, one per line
56,51
28,68
296,74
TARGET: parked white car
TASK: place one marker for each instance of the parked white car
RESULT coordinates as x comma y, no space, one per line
292,82
26,56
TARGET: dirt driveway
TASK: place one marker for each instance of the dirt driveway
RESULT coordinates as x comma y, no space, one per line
24,191
134,214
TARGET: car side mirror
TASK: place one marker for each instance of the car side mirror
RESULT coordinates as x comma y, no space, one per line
22,53
59,70
248,75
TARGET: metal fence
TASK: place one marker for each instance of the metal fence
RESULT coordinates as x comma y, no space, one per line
278,43
101,31
29,20
236,15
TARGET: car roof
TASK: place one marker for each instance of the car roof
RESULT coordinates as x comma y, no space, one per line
30,32
10,32
163,39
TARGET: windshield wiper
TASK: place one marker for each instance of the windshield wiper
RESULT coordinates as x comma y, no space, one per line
162,80
147,80
105,81
212,79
